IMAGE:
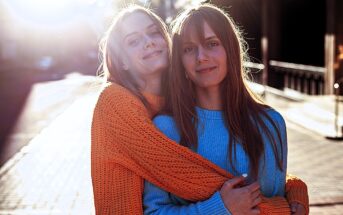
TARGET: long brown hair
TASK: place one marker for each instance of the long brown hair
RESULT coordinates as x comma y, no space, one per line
243,112
111,50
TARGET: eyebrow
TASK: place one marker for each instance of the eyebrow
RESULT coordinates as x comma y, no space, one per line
211,37
205,39
133,33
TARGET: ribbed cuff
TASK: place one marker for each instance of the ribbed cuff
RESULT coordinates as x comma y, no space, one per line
275,205
296,191
214,205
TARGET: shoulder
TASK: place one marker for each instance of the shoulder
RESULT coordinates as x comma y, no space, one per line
115,92
117,98
166,124
274,114
276,117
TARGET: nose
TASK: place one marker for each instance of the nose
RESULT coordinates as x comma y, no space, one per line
201,55
149,42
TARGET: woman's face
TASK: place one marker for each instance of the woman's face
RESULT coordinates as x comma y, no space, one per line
145,51
204,59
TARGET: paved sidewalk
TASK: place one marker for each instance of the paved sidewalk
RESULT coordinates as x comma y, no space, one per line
51,175
45,101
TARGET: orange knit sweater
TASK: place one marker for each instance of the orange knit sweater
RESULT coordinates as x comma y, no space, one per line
127,148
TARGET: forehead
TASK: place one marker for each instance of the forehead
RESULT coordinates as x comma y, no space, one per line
197,33
136,22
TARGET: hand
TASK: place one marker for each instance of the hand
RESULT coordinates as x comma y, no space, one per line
297,209
241,200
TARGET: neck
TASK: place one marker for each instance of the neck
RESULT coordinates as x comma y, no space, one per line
152,84
209,98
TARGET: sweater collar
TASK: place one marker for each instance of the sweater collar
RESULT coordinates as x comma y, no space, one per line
208,114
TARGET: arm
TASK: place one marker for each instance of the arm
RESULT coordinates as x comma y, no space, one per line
295,189
157,201
271,177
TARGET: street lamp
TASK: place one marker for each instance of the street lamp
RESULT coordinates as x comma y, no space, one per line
338,129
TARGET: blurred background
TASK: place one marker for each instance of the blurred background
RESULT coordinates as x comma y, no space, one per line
49,58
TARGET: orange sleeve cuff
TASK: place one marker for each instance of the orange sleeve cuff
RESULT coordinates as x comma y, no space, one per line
296,191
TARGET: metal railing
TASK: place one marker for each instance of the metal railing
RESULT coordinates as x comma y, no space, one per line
302,78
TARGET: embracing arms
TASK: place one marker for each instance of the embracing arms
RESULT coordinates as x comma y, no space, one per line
124,136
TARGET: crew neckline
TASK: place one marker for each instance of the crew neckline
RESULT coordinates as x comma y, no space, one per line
208,114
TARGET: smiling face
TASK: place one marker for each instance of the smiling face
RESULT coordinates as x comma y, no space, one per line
204,58
145,50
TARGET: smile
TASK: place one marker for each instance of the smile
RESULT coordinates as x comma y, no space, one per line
152,54
206,70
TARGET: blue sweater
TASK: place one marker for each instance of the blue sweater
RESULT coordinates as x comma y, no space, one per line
213,140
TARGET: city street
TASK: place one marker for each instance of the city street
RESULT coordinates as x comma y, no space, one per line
48,172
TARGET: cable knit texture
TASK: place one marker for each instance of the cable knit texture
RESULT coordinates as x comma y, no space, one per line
127,148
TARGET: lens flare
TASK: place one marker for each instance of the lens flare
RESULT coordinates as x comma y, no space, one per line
49,13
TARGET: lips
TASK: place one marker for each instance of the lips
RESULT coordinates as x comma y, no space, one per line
206,69
152,54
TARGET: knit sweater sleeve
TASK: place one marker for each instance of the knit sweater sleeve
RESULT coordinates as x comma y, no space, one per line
125,141
158,201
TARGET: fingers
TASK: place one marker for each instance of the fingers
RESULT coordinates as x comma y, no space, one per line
231,183
256,201
251,190
255,194
253,187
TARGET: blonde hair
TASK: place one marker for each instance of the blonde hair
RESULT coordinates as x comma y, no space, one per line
111,49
